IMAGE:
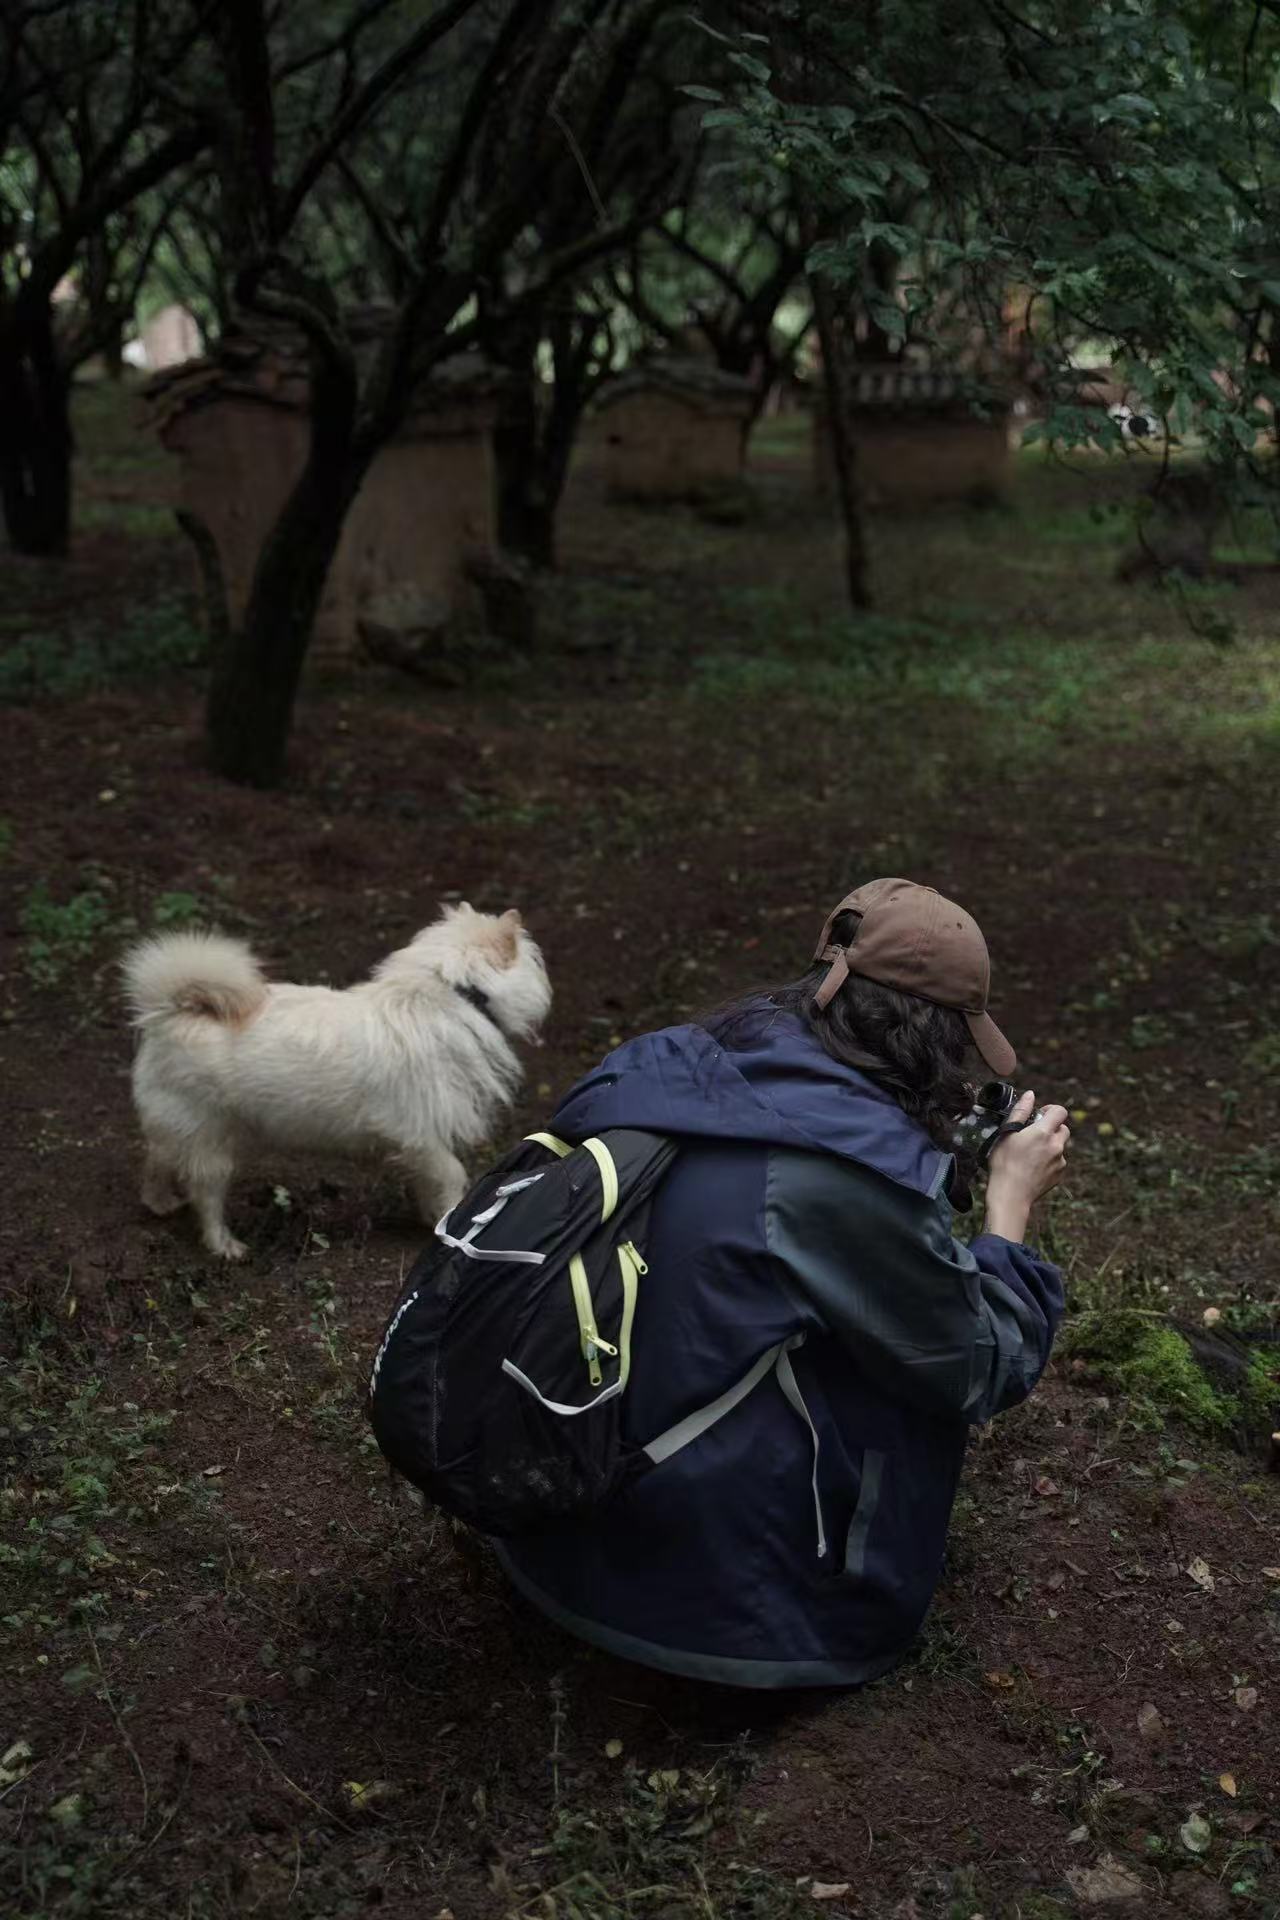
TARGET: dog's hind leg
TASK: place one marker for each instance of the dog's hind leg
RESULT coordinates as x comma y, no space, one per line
161,1191
439,1180
208,1167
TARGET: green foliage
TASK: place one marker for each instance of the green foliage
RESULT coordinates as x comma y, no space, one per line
64,663
177,910
60,937
1112,168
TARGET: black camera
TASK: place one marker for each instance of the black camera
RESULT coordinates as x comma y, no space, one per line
988,1119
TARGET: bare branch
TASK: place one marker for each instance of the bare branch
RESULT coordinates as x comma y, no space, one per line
383,81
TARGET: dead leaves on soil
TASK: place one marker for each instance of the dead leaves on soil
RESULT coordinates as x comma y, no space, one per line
1108,1881
1195,1833
1151,1725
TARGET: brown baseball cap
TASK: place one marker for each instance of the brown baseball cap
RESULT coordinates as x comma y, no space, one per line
910,938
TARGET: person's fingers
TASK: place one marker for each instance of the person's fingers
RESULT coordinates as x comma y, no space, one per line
1024,1106
1053,1117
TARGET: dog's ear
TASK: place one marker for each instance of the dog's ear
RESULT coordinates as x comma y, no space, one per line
506,939
512,918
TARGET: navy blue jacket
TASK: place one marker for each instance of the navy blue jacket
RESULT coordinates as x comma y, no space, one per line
797,1541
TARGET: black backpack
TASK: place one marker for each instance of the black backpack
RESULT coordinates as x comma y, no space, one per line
497,1389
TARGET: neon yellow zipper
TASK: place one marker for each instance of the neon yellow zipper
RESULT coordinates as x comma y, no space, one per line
593,1343
631,1264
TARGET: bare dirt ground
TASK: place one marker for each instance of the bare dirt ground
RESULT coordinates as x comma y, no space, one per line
241,1676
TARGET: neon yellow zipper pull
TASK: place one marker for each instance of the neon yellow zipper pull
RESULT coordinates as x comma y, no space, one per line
637,1258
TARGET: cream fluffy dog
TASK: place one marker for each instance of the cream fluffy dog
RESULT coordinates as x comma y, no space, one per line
415,1062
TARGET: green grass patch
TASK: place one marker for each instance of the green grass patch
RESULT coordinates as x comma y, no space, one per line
60,935
66,662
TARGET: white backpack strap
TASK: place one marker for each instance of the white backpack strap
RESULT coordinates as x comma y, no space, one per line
695,1424
465,1243
776,1359
791,1387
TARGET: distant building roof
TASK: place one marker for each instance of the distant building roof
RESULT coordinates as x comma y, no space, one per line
266,362
893,387
698,382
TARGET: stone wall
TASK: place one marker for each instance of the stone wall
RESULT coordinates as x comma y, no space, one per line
908,460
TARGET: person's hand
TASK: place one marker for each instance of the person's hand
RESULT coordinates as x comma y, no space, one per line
1025,1166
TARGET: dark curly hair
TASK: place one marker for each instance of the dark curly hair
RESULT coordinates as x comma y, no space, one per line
911,1047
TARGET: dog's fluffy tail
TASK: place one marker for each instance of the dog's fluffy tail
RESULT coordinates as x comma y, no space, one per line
192,973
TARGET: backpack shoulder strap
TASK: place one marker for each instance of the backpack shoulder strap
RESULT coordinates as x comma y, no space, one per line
560,1148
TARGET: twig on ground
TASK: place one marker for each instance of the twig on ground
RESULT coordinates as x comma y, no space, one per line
558,1717
122,1730
293,1786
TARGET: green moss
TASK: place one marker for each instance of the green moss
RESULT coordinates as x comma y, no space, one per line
1260,1390
1154,1368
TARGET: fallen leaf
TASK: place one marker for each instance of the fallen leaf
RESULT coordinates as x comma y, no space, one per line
15,1765
1211,1316
1151,1724
1271,1573
1094,1886
1199,1572
1243,1822
613,1748
1227,1781
1056,1581
1246,1698
1195,1834
1077,1836
1000,1680
211,1473
828,1889
67,1811
1045,1487
364,1796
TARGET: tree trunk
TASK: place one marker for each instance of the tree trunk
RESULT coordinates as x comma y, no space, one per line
258,665
842,446
35,433
255,679
113,353
526,516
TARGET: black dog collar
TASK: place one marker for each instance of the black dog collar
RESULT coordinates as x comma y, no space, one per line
482,1004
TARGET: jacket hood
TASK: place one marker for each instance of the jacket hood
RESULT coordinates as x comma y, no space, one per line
772,1083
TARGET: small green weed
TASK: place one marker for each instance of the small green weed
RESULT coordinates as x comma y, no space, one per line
652,1846
499,810
174,910
1263,1057
59,937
